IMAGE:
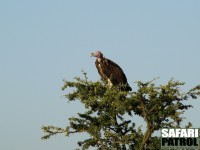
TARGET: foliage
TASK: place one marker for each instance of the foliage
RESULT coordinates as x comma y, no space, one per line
106,110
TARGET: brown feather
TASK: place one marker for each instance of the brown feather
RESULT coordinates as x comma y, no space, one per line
110,70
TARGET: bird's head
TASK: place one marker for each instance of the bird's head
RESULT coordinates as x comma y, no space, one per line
97,54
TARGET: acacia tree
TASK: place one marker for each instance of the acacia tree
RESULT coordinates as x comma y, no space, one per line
109,113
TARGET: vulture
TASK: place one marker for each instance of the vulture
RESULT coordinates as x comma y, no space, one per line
111,72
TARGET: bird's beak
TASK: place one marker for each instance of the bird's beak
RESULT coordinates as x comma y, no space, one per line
91,54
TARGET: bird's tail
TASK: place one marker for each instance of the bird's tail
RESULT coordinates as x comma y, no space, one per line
128,88
125,87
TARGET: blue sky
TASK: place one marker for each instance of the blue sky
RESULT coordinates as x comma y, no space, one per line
44,42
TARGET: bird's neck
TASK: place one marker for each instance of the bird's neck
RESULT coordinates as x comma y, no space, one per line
99,59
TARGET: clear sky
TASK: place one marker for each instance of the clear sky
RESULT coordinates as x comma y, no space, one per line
43,42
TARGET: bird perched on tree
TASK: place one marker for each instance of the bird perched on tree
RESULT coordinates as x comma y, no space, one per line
111,72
